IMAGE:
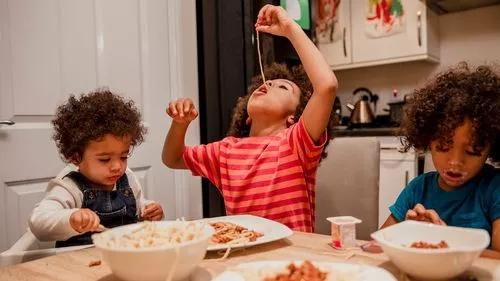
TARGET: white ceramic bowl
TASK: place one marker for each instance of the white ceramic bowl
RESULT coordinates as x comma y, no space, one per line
465,246
153,264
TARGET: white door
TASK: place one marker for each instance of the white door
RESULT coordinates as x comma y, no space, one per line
334,37
143,49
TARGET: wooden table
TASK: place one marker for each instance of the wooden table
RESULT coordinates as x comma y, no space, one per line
74,265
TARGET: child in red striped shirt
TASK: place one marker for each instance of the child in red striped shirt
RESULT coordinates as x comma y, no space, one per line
267,165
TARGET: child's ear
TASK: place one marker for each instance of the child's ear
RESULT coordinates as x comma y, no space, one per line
75,160
290,120
248,121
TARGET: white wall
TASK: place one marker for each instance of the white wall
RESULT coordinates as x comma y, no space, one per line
472,36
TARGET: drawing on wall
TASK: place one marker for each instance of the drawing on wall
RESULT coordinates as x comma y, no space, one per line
298,11
384,17
327,25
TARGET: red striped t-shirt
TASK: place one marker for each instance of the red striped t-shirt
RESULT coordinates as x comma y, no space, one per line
272,176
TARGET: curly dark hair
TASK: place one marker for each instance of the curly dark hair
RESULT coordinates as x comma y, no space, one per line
296,74
90,117
446,102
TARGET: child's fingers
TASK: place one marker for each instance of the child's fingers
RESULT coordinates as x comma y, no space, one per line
157,217
76,221
97,222
158,212
148,209
85,221
269,14
171,107
179,107
433,216
263,28
420,209
187,104
100,228
411,214
95,225
194,113
262,12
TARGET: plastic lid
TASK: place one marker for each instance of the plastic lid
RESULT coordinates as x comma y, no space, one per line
343,220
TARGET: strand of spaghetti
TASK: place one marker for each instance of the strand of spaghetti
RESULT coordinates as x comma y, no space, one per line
260,61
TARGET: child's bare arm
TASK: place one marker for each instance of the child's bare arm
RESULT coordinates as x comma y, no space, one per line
316,115
391,220
182,112
494,253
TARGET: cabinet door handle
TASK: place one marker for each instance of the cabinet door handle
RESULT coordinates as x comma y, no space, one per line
7,122
419,28
343,41
407,177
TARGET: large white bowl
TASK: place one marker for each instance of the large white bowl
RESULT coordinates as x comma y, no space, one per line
465,246
153,264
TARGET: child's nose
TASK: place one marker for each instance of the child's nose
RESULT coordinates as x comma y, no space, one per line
456,158
116,166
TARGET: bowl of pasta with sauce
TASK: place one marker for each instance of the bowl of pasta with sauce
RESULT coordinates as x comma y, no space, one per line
150,251
431,252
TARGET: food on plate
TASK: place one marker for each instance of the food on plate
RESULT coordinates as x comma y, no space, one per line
230,233
293,271
306,271
426,245
150,235
94,263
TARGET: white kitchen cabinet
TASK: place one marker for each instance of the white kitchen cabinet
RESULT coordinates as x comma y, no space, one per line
334,34
396,171
370,38
413,36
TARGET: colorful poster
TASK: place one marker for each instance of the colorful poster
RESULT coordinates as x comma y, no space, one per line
299,11
327,24
384,17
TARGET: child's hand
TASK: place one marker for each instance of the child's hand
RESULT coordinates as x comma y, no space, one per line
85,220
274,20
182,110
152,212
420,213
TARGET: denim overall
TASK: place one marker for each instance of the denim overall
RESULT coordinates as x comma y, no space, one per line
114,208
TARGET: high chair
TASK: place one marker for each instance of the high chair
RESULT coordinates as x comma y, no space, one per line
29,248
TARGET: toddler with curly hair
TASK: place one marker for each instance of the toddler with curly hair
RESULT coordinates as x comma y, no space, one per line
94,134
267,165
457,117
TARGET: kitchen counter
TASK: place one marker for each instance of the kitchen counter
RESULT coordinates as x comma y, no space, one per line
343,131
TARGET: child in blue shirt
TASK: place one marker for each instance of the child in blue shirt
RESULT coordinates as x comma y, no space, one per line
457,117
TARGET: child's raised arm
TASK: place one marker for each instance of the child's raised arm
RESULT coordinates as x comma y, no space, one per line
274,20
182,112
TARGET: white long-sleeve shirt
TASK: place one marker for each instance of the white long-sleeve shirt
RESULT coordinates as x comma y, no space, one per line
50,218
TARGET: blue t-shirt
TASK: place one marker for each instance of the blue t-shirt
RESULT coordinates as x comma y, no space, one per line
476,204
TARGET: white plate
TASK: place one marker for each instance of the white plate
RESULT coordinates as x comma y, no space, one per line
271,230
268,268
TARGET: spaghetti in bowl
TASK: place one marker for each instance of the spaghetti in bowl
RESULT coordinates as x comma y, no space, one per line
150,251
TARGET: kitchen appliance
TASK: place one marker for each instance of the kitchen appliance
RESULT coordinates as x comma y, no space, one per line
361,111
396,111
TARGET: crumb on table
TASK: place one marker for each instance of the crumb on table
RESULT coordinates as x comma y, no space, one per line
94,263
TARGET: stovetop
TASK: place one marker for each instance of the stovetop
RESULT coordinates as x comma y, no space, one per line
381,122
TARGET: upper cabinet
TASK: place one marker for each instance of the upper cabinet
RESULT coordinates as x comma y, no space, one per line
376,32
333,31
